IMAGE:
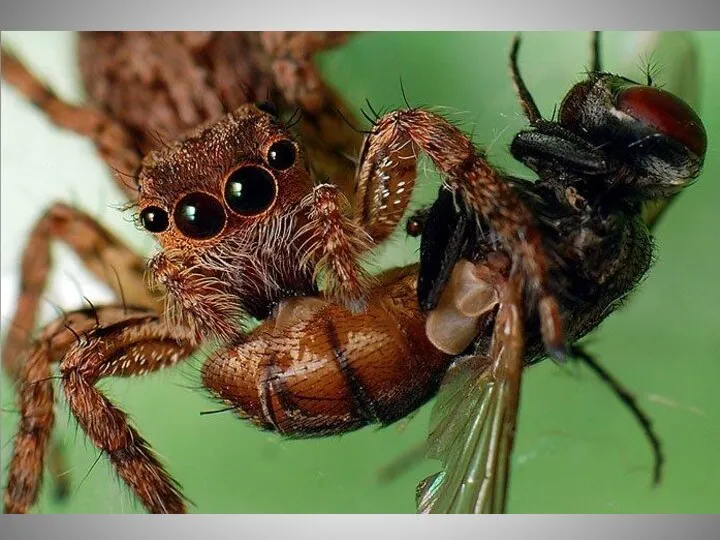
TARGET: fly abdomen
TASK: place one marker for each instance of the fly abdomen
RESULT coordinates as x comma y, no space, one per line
318,369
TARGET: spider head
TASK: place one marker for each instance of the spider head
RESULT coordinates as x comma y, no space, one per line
221,181
225,205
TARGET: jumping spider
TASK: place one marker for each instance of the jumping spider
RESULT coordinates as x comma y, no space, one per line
247,230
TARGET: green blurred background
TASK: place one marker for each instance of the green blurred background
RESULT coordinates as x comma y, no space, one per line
577,448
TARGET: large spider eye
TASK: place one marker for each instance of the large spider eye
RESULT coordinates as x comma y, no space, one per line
665,112
199,216
250,190
281,155
154,219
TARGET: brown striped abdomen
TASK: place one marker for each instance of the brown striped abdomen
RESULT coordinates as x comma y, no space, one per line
318,369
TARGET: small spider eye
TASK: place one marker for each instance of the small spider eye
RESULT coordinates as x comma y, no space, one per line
250,190
414,227
199,216
154,219
268,107
415,224
281,155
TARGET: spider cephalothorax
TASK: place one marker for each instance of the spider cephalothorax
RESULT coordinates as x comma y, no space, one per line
227,204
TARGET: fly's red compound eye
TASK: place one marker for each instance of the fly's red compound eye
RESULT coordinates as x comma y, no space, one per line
667,113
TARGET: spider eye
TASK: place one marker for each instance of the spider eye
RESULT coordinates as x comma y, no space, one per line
414,227
665,112
268,107
250,190
199,216
154,219
281,155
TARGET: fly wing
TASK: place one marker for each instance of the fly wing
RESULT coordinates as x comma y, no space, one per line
468,433
472,425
